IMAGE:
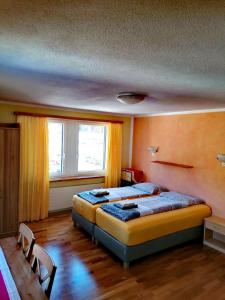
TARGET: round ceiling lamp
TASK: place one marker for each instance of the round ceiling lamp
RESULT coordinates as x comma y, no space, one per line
130,98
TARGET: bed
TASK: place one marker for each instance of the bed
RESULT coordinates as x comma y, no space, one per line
84,212
151,233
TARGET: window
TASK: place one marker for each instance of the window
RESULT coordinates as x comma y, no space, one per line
76,148
91,150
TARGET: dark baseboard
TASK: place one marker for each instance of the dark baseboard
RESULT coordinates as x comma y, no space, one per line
59,211
8,234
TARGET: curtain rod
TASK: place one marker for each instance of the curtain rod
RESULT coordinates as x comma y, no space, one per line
20,113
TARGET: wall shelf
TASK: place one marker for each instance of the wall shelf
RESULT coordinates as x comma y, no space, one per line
171,164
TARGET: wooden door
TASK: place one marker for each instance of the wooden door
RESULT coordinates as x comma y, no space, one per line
9,180
2,168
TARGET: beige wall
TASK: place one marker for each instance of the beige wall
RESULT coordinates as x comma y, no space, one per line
7,116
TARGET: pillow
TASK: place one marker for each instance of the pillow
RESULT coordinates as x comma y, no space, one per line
147,187
178,196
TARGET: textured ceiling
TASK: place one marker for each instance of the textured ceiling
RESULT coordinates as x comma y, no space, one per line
80,54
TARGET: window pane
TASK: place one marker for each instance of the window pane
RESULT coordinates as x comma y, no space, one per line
91,147
55,147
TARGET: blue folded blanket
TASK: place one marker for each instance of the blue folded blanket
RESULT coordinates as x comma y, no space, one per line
124,215
99,193
93,199
126,205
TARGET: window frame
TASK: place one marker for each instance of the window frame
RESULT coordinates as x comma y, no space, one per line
57,174
75,136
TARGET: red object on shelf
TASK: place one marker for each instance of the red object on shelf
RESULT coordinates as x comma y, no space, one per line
171,164
136,175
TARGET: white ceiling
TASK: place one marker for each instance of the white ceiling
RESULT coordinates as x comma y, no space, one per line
81,54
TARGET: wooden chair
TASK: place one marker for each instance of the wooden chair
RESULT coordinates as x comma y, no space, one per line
26,240
42,258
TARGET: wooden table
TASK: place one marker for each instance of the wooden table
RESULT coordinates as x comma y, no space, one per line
26,281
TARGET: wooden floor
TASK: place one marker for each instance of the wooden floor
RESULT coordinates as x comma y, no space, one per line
89,272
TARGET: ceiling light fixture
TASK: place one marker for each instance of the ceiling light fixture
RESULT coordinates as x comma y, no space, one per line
130,98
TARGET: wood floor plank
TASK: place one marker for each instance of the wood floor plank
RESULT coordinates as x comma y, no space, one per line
87,272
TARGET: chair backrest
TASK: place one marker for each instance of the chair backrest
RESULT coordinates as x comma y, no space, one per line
41,257
26,240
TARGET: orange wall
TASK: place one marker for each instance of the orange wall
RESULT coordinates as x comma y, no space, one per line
193,139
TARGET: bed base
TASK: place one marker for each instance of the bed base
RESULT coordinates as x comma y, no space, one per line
80,221
131,253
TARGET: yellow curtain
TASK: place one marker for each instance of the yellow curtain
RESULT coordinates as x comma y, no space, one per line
34,174
113,155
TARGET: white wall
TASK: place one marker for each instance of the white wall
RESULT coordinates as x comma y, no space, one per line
61,197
